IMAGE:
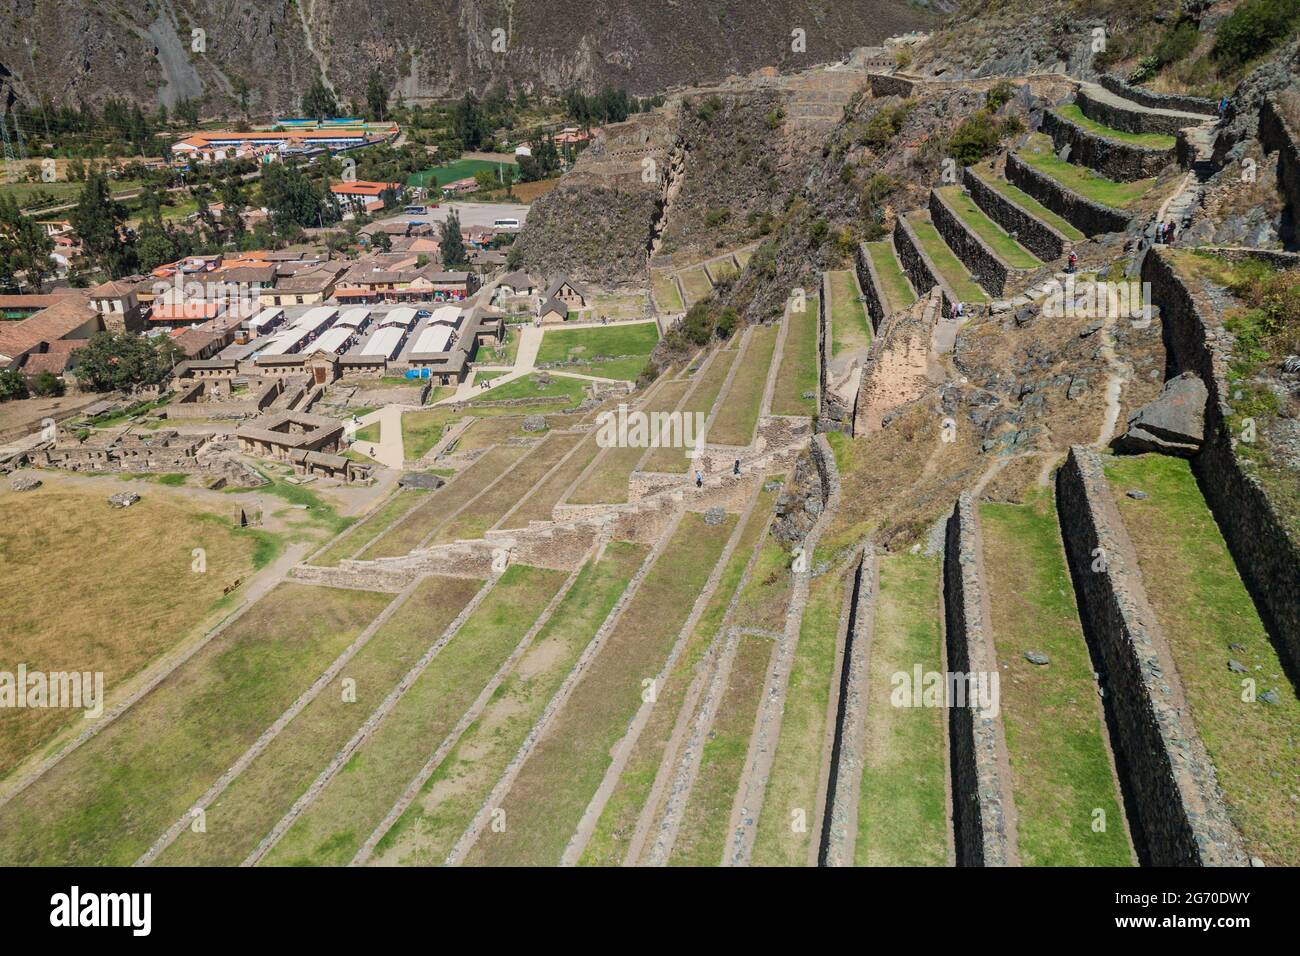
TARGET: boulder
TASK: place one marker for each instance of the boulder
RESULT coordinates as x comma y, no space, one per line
124,499
534,423
715,515
1174,423
24,482
420,479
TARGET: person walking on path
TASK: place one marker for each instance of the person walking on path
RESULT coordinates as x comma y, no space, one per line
699,478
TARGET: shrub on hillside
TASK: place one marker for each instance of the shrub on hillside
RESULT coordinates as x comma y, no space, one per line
999,95
975,138
1254,28
47,384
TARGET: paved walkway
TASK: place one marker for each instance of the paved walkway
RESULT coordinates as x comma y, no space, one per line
388,451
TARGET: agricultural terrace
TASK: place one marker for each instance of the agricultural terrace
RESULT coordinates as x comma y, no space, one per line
850,326
1038,153
705,386
606,481
798,373
737,417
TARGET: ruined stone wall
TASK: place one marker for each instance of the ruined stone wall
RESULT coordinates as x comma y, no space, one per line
984,265
979,819
1167,777
1087,216
1265,555
884,84
1130,120
918,267
1158,101
1123,162
871,288
832,415
1276,135
1030,231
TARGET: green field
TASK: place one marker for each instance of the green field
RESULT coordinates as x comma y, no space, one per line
460,169
850,326
1008,250
949,266
798,372
903,803
1061,772
696,284
608,351
895,289
574,390
1074,114
667,296
1025,201
1038,153
737,417
539,502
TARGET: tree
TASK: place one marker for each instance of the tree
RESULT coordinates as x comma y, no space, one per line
100,222
469,123
318,102
381,242
113,360
24,247
376,96
453,247
47,385
292,199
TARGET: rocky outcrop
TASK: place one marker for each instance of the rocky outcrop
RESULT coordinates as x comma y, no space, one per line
886,84
1174,423
1090,218
1167,777
1112,158
1277,136
1043,240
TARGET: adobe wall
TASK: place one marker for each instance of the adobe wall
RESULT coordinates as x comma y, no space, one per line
1130,120
1276,135
979,818
1114,159
1090,218
1031,232
985,266
918,267
1158,101
1266,556
1167,777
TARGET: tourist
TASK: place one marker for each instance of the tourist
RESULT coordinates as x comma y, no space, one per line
699,478
1073,262
735,468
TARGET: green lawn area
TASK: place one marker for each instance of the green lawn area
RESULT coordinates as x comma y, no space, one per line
558,779
738,416
1203,608
949,266
1060,770
451,797
151,764
266,789
1026,202
1009,251
850,326
696,284
1038,153
421,430
798,373
895,288
503,354
667,296
1074,114
903,804
529,386
354,802
370,432
607,351
460,169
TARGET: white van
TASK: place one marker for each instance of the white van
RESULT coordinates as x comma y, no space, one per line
507,223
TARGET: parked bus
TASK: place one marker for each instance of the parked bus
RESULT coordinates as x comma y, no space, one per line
507,223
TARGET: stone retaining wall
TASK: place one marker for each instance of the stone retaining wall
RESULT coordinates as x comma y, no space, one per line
1112,158
979,818
1276,135
984,265
1159,101
920,271
1129,119
1265,555
884,84
1038,237
1090,218
1168,779
872,290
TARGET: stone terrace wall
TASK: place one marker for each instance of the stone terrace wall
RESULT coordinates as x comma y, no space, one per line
1159,101
984,265
1267,557
1276,135
1090,218
918,267
1131,120
1031,232
884,84
1114,159
1167,776
831,413
979,819
871,287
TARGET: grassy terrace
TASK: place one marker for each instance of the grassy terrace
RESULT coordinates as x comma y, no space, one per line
542,498
267,788
1060,769
949,266
797,769
764,601
610,841
607,481
610,351
850,326
376,523
702,836
151,764
572,389
1204,610
1008,250
666,294
708,384
1038,153
1025,201
903,805
738,415
1074,114
695,282
895,288
425,834
798,373
721,269
485,511
560,776
437,508
332,828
